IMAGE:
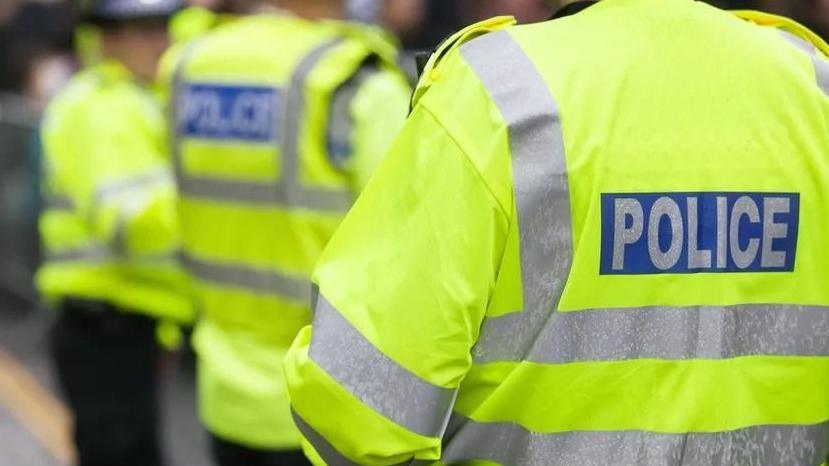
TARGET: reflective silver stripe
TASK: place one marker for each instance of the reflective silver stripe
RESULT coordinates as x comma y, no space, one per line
540,178
327,452
667,333
258,280
819,61
81,254
511,444
229,190
129,185
374,378
99,255
289,190
59,203
131,192
340,121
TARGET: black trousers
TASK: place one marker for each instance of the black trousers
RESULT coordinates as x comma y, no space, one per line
107,365
231,454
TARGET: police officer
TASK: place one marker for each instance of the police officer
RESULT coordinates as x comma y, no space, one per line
598,240
109,231
280,118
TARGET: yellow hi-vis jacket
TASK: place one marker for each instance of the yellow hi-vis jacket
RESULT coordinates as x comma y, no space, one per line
598,240
109,226
279,123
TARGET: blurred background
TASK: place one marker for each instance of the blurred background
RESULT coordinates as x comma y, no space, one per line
37,57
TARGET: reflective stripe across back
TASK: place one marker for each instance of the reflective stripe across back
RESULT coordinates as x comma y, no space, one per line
254,279
511,444
659,333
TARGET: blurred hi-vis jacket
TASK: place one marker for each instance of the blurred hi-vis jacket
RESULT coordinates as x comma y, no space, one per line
279,123
600,239
109,227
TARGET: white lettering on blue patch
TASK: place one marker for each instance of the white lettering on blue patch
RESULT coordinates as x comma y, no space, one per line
228,112
699,232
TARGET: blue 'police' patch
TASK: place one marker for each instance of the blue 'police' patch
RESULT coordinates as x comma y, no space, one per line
699,232
228,112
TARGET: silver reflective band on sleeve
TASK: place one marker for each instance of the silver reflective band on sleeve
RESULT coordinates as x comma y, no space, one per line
97,255
59,204
131,192
127,186
288,191
327,452
819,61
673,333
374,378
539,169
257,280
512,444
90,253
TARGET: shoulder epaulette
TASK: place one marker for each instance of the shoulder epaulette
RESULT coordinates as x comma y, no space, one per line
431,71
785,24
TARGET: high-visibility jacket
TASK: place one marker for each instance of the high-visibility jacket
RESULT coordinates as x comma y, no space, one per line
279,123
598,240
109,225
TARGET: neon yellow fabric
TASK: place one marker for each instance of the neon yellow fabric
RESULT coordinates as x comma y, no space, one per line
434,256
432,246
191,23
370,137
658,399
244,332
105,159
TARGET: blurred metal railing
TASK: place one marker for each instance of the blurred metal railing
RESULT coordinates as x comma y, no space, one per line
19,201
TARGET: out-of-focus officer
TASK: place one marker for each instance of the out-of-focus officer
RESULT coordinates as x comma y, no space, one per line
600,239
280,119
109,230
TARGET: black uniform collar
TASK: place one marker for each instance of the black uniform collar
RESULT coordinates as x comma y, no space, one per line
572,9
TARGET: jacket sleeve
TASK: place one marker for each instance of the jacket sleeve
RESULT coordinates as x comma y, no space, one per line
402,290
379,109
367,114
107,156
